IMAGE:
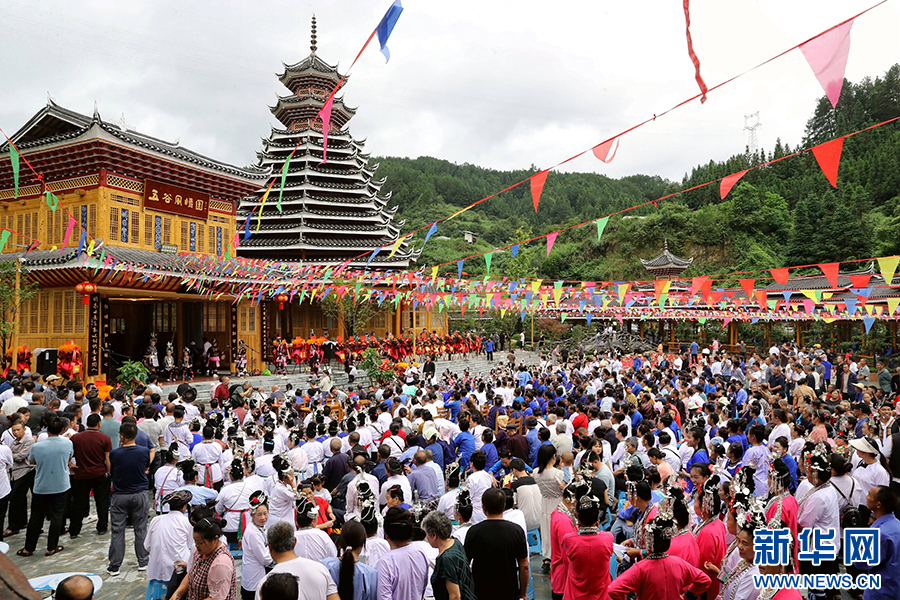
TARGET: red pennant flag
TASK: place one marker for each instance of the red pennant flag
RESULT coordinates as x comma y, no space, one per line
747,284
601,151
780,275
827,56
828,155
830,271
691,53
860,281
71,226
551,239
729,182
537,186
325,115
761,299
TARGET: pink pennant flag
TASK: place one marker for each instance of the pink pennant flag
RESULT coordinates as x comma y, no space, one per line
601,151
69,229
325,115
537,187
828,155
780,275
729,182
551,239
830,270
827,56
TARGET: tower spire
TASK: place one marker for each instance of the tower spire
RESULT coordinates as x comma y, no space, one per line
312,37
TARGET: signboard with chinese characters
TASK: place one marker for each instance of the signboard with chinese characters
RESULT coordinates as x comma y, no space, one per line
180,201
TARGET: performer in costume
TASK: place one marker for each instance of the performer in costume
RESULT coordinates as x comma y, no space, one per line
738,583
187,364
683,543
562,523
241,360
782,509
710,532
169,538
586,550
818,505
282,491
658,576
257,559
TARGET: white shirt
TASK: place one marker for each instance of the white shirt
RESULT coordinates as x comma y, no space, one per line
374,549
256,557
170,537
299,461
6,463
282,500
315,581
479,482
13,404
234,500
822,511
393,480
783,429
208,453
353,493
869,476
314,544
447,503
167,479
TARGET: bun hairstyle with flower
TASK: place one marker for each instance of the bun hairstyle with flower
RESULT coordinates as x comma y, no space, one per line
171,454
251,431
818,462
577,488
588,510
464,503
743,481
236,469
753,518
676,502
307,511
659,531
779,477
257,499
189,470
282,466
295,437
250,462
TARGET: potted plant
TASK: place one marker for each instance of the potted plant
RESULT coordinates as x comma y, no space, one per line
132,372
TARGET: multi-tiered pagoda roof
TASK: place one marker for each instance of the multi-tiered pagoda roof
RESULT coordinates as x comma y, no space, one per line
330,212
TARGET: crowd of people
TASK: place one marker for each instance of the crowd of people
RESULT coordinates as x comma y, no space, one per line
663,466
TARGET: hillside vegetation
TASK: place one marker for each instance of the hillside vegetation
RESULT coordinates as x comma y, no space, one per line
781,215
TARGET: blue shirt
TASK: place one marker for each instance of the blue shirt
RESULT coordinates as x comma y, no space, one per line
492,457
489,346
129,469
792,467
740,397
694,347
52,458
454,406
464,446
534,464
533,444
889,567
700,456
200,495
365,578
523,378
438,451
379,473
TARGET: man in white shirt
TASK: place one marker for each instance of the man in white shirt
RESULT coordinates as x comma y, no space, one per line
313,578
479,482
15,401
396,476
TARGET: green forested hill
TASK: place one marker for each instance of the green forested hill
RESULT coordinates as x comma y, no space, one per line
784,214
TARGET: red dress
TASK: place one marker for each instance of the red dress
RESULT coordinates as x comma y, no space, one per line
584,555
685,546
789,512
561,525
711,541
659,579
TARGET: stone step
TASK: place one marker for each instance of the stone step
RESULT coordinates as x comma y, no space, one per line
299,376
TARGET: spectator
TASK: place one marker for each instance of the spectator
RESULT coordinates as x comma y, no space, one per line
129,466
498,551
89,475
452,577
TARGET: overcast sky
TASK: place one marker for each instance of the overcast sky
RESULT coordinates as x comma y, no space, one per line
496,83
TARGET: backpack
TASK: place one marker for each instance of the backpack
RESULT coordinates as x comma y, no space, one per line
850,516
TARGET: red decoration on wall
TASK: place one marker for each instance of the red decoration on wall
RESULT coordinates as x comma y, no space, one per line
86,289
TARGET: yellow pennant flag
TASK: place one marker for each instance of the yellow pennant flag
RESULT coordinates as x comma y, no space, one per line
262,205
811,294
557,295
396,246
888,266
502,312
90,248
434,271
892,304
829,320
536,285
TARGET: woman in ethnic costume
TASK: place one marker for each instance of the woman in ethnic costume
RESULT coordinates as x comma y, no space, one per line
241,358
710,532
737,583
656,575
211,572
585,551
683,543
169,538
562,523
256,557
782,509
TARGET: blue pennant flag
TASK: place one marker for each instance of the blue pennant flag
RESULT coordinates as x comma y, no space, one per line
754,321
522,316
581,305
459,266
588,317
528,296
851,306
431,232
864,292
787,294
81,242
386,26
868,321
247,229
374,254
515,250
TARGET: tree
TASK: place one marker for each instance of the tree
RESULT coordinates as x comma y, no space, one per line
10,301
352,312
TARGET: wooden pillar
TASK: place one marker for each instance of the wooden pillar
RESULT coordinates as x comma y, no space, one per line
671,335
797,336
641,328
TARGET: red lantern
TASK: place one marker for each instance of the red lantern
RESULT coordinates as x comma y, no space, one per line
281,299
86,289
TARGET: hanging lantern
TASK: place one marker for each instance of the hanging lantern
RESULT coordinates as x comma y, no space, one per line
281,299
86,289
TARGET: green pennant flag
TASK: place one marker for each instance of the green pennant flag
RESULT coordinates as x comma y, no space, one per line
562,317
601,225
52,200
14,159
284,171
4,235
487,261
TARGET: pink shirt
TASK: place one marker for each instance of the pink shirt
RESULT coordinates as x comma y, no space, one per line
659,579
711,541
587,558
685,547
560,527
789,511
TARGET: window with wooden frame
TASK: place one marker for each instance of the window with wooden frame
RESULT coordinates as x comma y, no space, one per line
135,227
185,236
167,230
201,240
114,224
148,230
